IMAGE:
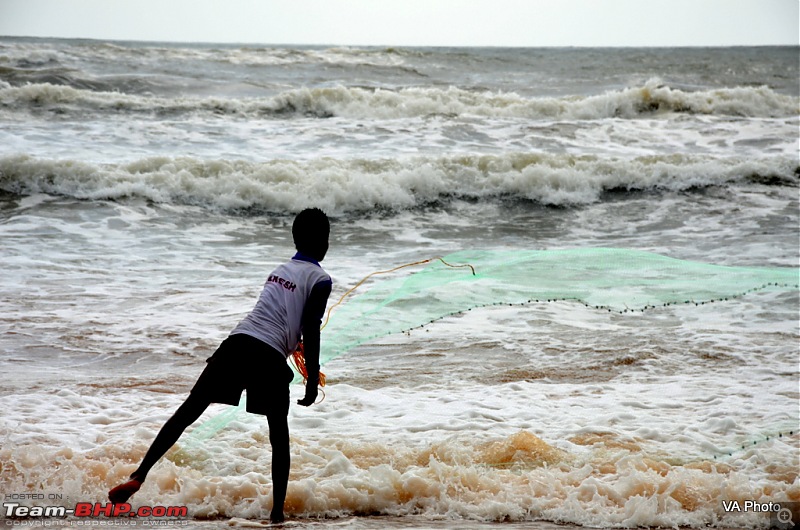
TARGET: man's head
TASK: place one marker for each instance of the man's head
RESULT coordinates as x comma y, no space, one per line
310,231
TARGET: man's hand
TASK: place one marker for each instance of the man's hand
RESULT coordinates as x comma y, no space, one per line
310,397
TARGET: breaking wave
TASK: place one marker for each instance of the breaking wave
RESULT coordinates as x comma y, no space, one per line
364,184
352,102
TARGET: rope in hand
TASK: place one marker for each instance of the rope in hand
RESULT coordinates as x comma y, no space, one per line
298,358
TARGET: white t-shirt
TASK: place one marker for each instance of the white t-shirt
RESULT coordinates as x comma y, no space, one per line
277,318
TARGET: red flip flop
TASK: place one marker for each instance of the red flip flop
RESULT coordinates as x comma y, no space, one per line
123,492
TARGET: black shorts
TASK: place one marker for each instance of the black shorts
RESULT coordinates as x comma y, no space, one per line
241,363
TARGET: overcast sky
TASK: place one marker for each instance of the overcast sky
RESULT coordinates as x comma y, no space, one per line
414,22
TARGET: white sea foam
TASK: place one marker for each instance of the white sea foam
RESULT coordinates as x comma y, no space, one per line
587,456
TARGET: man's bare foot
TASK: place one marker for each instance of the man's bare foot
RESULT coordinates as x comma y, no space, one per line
276,517
123,492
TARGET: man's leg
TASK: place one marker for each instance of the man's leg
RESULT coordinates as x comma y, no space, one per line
281,461
186,414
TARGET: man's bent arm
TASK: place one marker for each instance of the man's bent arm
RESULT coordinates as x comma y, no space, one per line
312,318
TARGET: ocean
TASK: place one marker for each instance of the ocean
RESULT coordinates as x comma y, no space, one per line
148,189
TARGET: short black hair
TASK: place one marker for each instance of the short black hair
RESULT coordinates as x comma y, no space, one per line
310,231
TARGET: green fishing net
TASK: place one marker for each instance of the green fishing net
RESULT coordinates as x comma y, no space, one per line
615,280
606,279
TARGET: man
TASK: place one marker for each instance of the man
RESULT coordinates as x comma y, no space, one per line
253,357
